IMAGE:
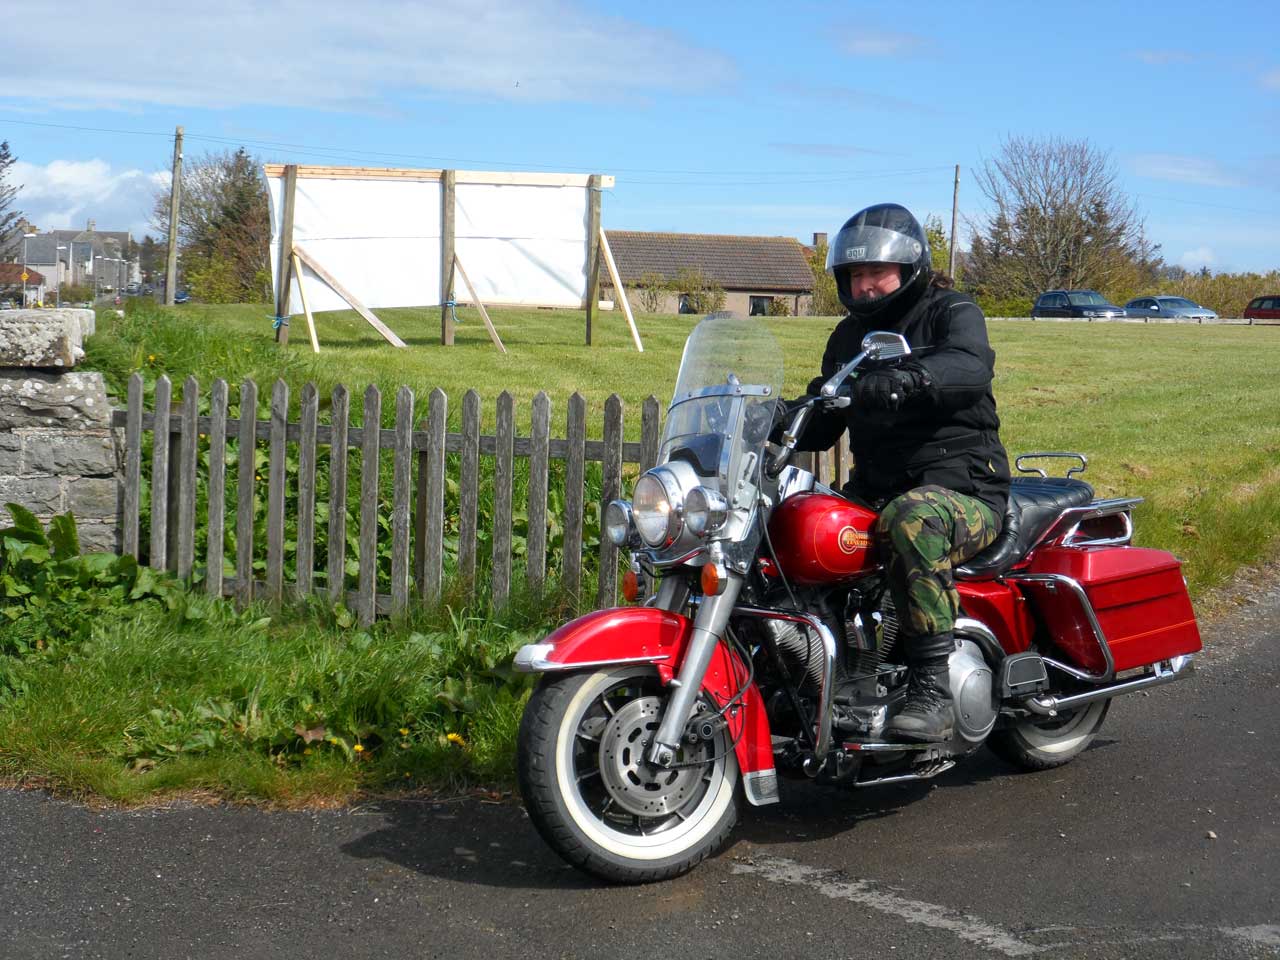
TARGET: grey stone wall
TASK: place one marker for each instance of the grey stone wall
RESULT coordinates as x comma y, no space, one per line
57,450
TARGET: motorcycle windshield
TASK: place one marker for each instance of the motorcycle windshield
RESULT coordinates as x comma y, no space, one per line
722,409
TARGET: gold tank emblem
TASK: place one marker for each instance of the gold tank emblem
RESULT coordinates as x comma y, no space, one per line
852,540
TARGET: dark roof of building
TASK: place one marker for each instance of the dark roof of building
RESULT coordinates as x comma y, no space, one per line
736,263
12,273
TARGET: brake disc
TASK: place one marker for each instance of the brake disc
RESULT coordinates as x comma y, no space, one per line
636,785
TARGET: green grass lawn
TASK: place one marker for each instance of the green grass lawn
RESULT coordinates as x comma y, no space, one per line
1186,416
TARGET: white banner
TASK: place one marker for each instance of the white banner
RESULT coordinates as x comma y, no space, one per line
520,243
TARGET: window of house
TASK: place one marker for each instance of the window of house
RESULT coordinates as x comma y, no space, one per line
759,306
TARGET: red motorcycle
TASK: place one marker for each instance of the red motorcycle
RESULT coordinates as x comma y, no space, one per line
762,639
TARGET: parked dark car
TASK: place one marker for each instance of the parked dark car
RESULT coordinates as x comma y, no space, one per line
1169,308
1263,308
1075,303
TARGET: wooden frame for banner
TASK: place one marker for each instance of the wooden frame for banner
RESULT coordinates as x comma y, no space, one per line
302,292
387,333
619,291
484,314
290,255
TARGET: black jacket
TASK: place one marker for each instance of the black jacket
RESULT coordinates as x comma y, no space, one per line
945,435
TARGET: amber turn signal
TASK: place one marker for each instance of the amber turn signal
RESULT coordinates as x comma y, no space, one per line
630,586
712,579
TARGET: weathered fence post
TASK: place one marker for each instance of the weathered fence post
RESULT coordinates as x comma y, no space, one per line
469,490
217,487
371,427
160,475
246,455
503,474
132,467
337,557
611,488
574,478
539,466
431,484
306,559
187,471
401,491
276,481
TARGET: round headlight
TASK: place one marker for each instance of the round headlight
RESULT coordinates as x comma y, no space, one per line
653,512
617,522
704,511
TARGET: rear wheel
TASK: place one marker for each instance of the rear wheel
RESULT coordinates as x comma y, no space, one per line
594,797
1042,743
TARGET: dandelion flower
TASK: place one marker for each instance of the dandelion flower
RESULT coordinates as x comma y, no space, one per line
456,738
358,748
404,731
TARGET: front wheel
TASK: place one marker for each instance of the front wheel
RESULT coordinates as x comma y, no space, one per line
1042,743
594,797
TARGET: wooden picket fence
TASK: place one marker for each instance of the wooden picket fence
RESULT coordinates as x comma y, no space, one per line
417,503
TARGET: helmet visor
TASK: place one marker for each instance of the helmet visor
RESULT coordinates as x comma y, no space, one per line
865,244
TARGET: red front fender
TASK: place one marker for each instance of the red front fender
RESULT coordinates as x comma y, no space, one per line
648,635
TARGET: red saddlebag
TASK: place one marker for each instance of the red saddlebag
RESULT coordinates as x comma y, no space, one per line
1137,594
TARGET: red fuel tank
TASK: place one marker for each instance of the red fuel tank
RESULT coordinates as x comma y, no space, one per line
820,538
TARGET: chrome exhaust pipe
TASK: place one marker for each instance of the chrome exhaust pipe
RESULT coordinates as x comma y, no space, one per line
1166,671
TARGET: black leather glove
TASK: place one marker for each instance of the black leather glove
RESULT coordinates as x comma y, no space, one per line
783,411
889,389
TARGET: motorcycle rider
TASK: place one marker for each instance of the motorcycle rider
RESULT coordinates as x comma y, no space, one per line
924,437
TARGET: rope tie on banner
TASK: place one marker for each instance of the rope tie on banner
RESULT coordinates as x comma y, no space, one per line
278,322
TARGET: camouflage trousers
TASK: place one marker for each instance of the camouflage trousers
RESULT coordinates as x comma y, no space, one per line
922,535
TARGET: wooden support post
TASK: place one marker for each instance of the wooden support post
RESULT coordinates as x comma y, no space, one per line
484,314
284,265
448,180
348,296
620,294
593,249
302,292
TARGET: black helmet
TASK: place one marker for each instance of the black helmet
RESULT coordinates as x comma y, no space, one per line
884,233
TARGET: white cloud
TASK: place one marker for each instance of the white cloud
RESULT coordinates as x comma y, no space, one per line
65,194
1271,79
1199,257
1182,169
329,54
879,43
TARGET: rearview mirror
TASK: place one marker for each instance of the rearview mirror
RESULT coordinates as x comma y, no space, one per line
883,345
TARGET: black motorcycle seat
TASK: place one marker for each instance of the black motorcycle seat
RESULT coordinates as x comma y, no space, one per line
1034,504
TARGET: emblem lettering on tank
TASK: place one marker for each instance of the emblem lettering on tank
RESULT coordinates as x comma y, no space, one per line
851,540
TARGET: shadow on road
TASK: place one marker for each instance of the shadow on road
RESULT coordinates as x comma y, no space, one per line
495,845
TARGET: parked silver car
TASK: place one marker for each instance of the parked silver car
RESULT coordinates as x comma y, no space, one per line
1168,308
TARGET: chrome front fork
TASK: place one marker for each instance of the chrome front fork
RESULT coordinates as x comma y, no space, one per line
708,627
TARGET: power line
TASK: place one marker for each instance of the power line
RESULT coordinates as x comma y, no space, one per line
343,153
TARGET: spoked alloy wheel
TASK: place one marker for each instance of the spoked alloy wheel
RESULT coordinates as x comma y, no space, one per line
1042,743
593,795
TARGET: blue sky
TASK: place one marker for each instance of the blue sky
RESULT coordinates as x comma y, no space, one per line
754,118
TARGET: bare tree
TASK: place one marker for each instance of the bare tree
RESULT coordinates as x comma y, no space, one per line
1057,219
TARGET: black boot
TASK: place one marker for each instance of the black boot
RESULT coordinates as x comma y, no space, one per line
927,712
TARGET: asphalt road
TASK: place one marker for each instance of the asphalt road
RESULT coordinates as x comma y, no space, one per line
1160,842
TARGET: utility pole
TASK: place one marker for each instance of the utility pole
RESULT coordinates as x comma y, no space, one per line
955,206
175,199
